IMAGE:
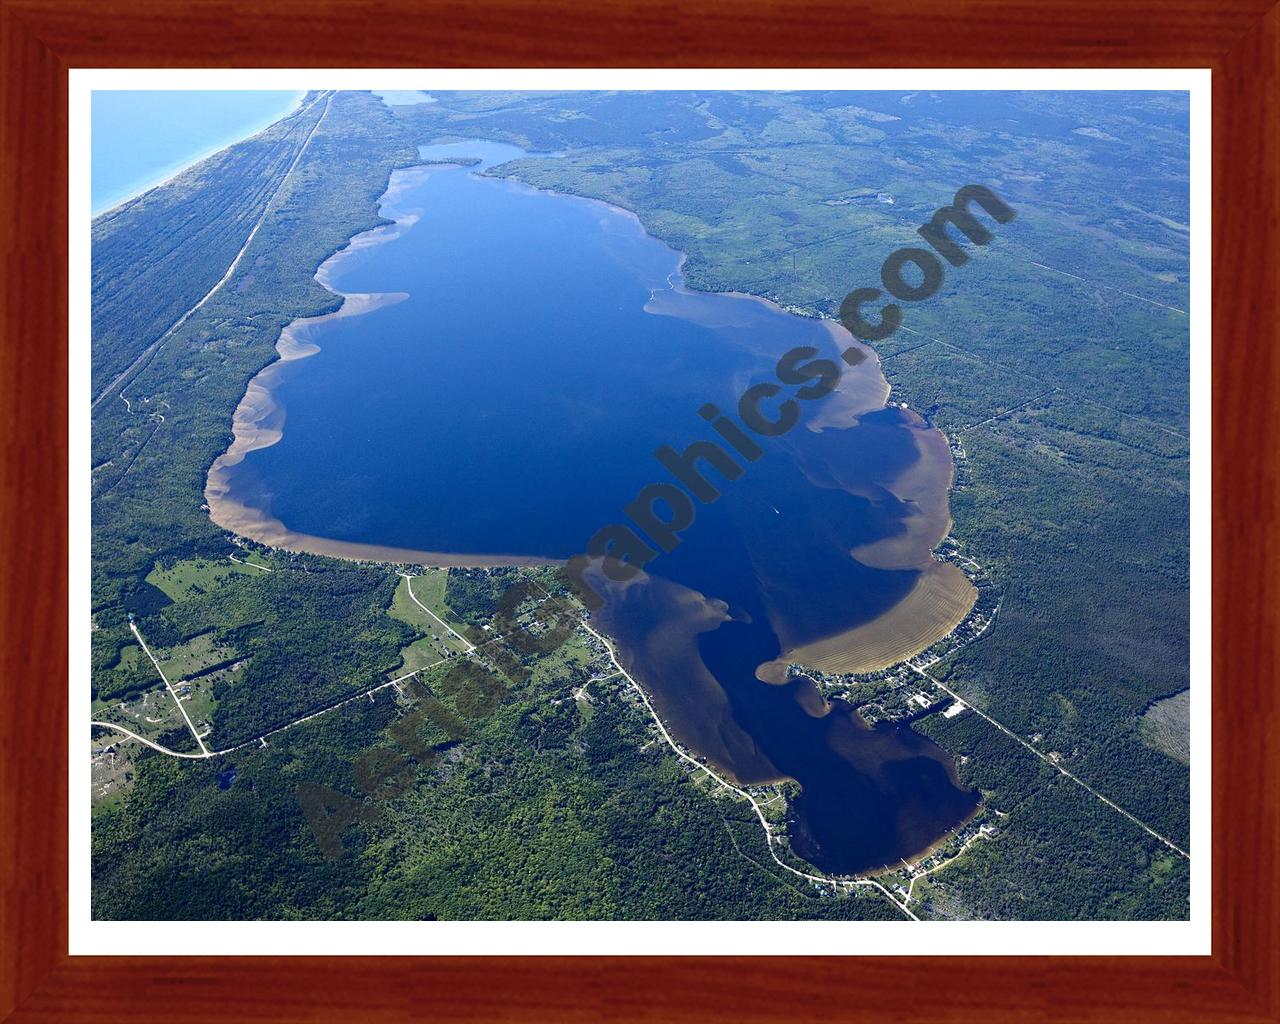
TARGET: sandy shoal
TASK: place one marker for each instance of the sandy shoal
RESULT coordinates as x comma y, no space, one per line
935,606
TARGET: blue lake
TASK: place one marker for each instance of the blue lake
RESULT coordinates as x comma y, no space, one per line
141,137
508,399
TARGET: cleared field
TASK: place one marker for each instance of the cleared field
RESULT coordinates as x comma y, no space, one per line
420,654
196,655
195,576
197,697
129,655
197,694
1166,726
429,590
131,676
148,714
934,607
111,770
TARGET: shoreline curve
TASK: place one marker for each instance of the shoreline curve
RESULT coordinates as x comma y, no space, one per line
258,422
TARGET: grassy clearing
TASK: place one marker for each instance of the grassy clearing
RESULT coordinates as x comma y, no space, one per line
198,700
572,659
199,695
196,655
1166,726
148,714
420,654
256,563
111,768
435,641
195,576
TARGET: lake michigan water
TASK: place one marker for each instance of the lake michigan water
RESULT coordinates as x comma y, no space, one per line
141,137
542,348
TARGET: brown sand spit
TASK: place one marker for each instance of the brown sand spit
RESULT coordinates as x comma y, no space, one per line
258,422
925,487
934,607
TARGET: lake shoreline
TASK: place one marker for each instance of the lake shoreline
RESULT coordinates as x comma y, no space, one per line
258,422
920,486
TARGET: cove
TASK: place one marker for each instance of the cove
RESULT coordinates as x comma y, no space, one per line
492,392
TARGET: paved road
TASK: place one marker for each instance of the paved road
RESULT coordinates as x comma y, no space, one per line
408,580
835,883
133,626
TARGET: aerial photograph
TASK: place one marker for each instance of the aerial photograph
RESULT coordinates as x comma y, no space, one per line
639,506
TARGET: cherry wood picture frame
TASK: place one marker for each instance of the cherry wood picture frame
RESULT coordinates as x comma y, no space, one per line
40,40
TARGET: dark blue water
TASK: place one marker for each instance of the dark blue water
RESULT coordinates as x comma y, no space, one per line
513,404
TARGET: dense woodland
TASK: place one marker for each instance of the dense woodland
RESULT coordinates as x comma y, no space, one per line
1075,499
547,807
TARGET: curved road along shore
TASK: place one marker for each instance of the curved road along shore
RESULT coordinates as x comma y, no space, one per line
835,883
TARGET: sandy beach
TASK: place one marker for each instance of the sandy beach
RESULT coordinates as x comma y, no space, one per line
938,602
258,421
